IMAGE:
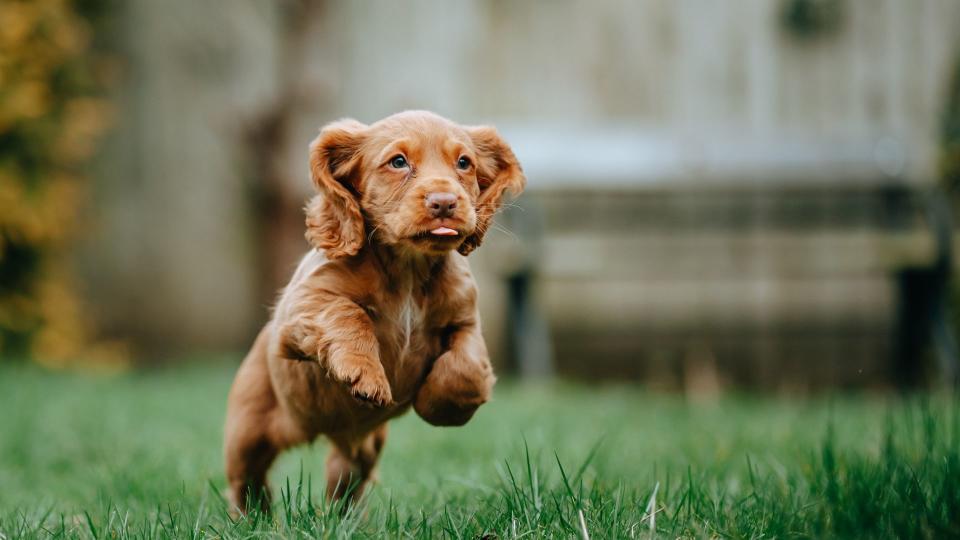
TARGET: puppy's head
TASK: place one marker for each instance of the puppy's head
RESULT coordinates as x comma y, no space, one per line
413,180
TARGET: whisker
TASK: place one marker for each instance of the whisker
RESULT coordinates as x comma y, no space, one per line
506,231
370,236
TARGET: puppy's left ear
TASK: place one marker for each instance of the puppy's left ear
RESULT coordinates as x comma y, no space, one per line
498,173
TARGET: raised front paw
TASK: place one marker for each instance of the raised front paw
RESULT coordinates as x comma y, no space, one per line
365,380
443,411
372,389
453,391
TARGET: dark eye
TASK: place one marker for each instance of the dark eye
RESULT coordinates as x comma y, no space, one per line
463,163
398,162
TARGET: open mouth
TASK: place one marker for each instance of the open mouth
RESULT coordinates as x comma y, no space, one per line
440,233
434,236
444,231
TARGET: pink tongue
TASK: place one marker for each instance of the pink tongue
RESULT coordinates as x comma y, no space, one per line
444,231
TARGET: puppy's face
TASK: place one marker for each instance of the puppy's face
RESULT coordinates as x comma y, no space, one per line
414,180
420,186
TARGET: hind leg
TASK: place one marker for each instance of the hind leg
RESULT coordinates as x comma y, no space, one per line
351,466
248,458
256,431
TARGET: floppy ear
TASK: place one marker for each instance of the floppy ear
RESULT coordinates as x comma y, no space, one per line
334,221
498,172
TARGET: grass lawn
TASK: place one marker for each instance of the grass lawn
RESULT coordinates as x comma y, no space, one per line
138,455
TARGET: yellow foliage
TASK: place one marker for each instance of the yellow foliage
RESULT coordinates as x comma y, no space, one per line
51,117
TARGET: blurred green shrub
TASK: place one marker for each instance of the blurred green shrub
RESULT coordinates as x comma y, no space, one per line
52,115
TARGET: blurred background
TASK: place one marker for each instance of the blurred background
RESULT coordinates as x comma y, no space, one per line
737,194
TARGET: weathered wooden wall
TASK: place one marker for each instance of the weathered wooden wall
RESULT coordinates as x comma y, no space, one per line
174,258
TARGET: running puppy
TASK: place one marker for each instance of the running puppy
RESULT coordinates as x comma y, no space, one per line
382,315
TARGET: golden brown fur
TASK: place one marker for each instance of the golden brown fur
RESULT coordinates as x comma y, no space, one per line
382,315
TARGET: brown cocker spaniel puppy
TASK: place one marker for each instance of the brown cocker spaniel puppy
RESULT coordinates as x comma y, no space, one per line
382,315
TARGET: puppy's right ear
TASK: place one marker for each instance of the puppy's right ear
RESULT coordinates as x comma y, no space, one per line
334,221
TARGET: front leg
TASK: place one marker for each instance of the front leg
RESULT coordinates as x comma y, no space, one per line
459,382
339,334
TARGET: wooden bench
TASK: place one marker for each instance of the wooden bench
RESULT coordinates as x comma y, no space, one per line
788,277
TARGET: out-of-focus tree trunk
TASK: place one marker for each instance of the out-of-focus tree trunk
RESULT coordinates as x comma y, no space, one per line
277,202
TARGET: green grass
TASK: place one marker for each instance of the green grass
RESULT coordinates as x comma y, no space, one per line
138,455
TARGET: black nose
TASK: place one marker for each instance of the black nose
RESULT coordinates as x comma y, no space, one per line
441,205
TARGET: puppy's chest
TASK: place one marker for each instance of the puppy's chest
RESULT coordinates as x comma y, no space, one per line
409,333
